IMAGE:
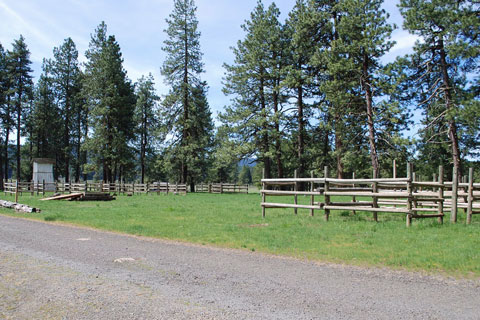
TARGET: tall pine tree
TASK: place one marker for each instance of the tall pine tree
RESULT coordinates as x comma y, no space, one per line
146,120
254,117
19,72
111,103
448,30
65,73
185,109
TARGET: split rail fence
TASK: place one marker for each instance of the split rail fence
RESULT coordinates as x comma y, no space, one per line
10,187
221,188
414,199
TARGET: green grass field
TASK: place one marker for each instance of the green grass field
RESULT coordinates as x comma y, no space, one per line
234,221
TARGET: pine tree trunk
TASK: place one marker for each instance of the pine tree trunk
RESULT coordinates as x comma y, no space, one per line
186,139
142,153
371,128
278,151
338,130
301,133
66,138
19,117
7,136
1,170
79,155
265,140
84,153
452,125
339,147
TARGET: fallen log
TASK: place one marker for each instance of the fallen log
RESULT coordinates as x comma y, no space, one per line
18,207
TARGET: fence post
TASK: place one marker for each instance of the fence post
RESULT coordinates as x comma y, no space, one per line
470,196
354,198
454,211
414,179
16,191
312,197
374,198
410,197
263,193
43,187
295,188
326,189
394,169
440,194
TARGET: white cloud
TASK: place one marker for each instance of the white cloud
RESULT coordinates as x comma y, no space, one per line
404,40
21,25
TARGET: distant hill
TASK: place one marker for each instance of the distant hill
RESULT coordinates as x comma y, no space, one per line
247,162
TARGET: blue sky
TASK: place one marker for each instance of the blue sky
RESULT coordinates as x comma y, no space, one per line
138,27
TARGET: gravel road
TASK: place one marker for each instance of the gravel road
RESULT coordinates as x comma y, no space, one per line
50,271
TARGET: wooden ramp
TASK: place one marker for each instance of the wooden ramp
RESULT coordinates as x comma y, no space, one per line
64,197
84,196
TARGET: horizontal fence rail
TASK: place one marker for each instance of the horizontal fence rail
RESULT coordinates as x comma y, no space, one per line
414,199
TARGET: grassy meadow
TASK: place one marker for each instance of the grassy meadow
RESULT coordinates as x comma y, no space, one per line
234,221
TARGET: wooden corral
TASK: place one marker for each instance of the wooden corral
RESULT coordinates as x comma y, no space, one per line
414,199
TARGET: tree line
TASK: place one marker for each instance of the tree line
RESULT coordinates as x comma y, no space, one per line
304,93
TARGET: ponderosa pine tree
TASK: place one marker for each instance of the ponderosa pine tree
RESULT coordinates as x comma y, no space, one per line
79,132
364,34
146,119
254,118
8,121
46,117
3,101
111,102
335,78
19,72
185,111
299,74
449,31
65,74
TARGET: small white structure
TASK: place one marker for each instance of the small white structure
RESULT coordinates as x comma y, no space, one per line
43,171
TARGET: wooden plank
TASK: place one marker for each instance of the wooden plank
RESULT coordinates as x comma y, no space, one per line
365,181
421,216
367,209
287,205
64,197
368,194
293,180
425,209
427,184
289,193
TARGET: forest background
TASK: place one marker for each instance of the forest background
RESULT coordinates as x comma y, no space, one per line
309,88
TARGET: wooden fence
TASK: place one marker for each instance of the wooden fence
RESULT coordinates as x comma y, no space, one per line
414,199
221,188
10,187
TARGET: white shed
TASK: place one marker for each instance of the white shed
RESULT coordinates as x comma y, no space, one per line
43,171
